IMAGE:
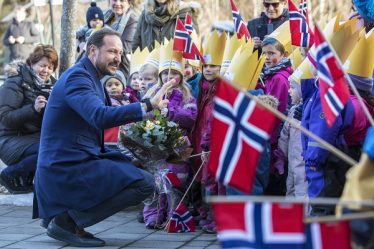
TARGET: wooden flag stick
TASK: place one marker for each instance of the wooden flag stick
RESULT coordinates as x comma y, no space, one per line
292,200
344,217
282,199
349,80
296,125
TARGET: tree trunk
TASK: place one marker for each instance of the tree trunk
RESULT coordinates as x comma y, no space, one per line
1,5
68,20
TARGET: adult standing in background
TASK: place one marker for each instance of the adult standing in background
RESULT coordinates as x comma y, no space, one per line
275,14
158,18
21,35
122,18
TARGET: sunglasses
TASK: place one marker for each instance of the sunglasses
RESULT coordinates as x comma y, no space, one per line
275,5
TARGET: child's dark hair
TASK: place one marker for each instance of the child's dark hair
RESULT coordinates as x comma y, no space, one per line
272,41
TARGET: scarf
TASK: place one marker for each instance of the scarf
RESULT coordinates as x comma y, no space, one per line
42,85
158,17
269,71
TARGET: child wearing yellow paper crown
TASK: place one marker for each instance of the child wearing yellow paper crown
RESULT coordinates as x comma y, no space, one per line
182,110
213,50
274,81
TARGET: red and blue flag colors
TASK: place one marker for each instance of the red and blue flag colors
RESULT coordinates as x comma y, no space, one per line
328,235
181,221
188,24
301,33
172,179
332,83
303,9
239,24
238,137
183,43
261,225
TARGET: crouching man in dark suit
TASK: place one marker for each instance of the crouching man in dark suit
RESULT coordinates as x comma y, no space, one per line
78,182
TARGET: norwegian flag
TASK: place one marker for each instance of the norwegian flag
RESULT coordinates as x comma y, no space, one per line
240,27
328,235
181,221
183,43
303,9
188,24
238,137
301,34
261,225
172,179
332,84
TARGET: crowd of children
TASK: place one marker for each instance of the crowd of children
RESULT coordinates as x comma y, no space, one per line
291,164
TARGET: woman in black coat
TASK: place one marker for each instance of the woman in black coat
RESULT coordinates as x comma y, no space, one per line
23,97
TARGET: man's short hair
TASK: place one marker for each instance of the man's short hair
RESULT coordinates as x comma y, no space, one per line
97,37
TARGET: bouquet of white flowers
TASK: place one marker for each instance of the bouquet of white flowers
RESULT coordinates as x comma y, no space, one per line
156,140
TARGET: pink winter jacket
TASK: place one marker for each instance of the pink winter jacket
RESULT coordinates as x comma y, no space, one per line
277,85
356,133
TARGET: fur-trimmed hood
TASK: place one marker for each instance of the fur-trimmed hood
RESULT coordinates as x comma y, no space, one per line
12,68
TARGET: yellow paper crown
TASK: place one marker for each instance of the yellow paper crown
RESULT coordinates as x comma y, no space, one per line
232,44
138,58
154,56
283,35
170,58
213,48
361,61
296,57
245,68
304,71
342,36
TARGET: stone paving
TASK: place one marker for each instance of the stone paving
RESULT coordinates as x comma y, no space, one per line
18,230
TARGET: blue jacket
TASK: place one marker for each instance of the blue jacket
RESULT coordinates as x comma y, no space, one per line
193,82
74,170
313,120
369,143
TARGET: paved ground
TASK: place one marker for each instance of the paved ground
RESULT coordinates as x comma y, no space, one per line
18,230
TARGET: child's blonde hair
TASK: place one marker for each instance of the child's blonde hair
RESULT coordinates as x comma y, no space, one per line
147,66
181,86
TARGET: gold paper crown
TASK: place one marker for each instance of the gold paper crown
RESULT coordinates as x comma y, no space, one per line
154,56
138,58
304,71
343,37
283,35
245,68
232,44
213,48
296,57
361,61
170,58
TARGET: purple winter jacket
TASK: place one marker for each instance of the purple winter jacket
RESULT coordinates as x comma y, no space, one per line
182,113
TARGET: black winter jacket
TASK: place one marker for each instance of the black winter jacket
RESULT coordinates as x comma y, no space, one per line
20,123
262,26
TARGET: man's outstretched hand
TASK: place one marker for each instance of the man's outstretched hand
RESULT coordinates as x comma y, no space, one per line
159,101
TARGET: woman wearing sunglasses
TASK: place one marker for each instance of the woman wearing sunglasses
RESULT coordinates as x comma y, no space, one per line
274,15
